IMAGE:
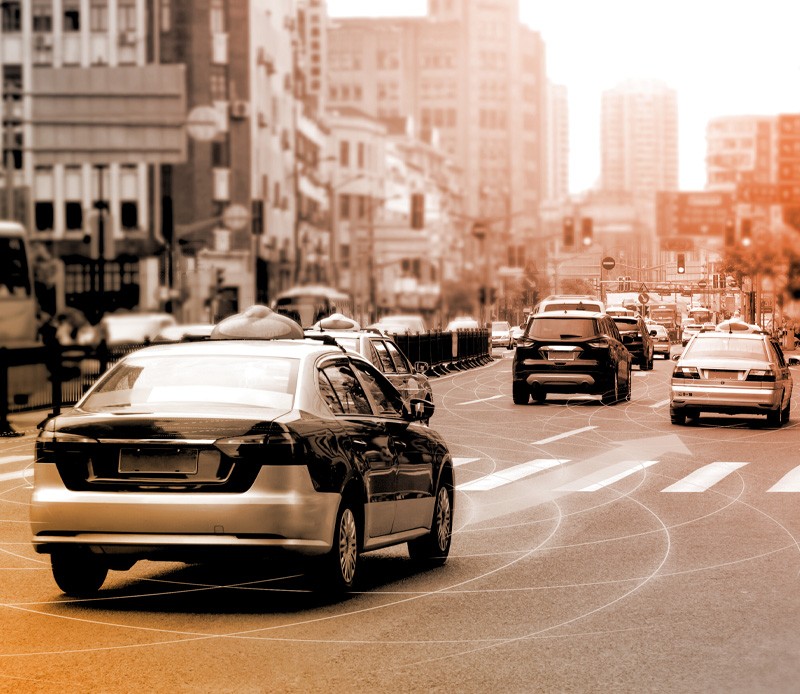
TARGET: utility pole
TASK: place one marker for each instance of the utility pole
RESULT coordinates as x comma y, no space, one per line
101,206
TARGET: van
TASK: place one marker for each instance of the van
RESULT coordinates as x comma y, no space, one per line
570,302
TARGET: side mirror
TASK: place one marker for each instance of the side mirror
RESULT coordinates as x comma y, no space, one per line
421,366
794,361
418,410
675,357
653,333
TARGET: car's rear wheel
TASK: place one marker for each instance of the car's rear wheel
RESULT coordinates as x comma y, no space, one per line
677,416
539,394
338,570
434,547
629,384
520,393
775,417
611,396
786,413
77,571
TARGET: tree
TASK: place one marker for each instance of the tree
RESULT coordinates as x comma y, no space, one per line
572,285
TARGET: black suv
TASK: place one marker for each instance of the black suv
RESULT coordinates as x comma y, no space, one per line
571,352
636,337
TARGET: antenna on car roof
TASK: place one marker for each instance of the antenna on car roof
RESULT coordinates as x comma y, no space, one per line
327,340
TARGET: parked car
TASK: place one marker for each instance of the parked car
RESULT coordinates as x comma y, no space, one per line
517,332
133,328
661,342
400,324
462,323
203,451
731,373
384,354
570,352
636,337
501,334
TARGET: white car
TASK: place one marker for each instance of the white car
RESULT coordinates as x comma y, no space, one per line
462,323
501,334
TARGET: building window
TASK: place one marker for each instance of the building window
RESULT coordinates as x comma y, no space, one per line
219,83
360,155
73,212
126,15
12,16
344,206
72,16
220,156
98,16
44,216
362,206
129,215
344,153
166,15
43,17
217,17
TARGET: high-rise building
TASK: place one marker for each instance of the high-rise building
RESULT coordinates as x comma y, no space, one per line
470,70
738,149
639,139
557,143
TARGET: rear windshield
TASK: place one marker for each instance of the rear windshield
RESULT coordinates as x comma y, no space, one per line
501,325
732,347
566,328
627,323
572,306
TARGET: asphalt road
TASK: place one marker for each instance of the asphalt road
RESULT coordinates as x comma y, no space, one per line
597,548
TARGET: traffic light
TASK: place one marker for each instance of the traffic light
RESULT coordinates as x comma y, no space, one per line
587,231
219,278
418,210
620,283
730,233
569,231
482,295
793,279
747,231
492,295
681,263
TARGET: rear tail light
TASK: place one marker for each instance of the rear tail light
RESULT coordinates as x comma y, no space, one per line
598,344
275,447
761,375
686,372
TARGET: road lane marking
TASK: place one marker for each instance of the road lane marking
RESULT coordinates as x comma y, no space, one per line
660,403
790,482
563,436
16,475
629,467
463,461
472,402
9,459
512,474
706,477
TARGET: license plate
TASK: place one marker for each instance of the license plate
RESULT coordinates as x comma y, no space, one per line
724,375
164,461
561,356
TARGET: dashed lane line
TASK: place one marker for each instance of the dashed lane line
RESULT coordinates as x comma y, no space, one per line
790,482
660,403
472,402
9,459
592,484
463,461
564,435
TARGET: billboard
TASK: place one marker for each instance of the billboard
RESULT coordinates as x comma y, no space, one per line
699,213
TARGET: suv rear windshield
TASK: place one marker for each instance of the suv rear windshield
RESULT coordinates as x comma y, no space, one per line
557,328
626,324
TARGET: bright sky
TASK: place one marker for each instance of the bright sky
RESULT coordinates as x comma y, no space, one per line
723,57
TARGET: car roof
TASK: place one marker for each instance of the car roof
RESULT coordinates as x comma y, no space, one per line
236,347
560,313
724,334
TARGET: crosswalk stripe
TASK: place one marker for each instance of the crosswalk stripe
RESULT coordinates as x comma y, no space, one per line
563,436
8,459
629,467
660,403
704,478
463,461
790,482
16,475
512,474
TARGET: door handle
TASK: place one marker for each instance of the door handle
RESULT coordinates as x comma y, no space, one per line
399,445
359,443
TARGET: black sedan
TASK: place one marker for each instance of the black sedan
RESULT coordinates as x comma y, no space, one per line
204,450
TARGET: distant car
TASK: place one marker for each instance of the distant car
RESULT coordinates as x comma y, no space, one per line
636,337
462,323
218,449
661,341
731,373
501,334
388,358
517,332
184,331
571,352
570,302
133,328
401,324
689,331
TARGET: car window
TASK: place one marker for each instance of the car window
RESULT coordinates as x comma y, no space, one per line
385,395
385,364
729,347
329,394
348,389
400,362
561,328
778,353
627,323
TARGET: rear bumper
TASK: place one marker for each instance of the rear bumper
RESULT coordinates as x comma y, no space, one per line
725,399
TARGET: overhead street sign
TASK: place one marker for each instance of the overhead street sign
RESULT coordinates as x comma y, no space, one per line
701,213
